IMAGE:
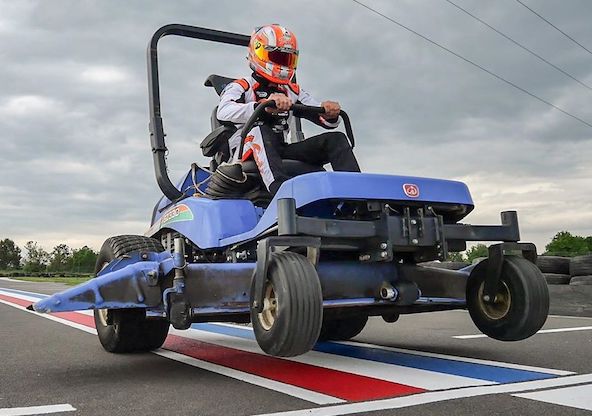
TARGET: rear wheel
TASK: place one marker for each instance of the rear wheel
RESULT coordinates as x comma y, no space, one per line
342,329
292,313
128,330
521,303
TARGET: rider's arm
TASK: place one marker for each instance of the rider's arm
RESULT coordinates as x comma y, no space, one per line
231,108
305,98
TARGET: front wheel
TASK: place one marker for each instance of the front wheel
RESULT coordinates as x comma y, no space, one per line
520,306
290,322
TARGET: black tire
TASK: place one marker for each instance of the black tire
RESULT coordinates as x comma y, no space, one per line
557,279
128,330
581,281
449,265
524,300
553,264
581,265
342,329
291,324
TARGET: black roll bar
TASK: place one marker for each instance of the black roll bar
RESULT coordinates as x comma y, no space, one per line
156,126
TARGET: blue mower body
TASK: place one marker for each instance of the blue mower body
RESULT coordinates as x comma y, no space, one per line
314,262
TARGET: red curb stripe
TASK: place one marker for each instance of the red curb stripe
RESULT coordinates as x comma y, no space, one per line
346,386
78,318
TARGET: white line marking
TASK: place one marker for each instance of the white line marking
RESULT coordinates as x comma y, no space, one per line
36,410
465,359
428,380
570,317
435,396
579,397
294,391
308,395
20,295
8,279
542,331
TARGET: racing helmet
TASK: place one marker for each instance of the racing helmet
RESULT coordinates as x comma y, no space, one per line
273,53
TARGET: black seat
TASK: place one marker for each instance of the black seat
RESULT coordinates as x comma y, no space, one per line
215,145
218,82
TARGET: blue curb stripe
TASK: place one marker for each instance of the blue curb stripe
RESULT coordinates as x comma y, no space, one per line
440,365
24,292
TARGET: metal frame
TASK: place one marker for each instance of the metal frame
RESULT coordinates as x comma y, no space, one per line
157,136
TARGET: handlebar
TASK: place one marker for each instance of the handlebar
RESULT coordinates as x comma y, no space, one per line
300,108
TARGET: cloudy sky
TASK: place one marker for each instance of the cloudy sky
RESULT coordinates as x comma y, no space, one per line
76,166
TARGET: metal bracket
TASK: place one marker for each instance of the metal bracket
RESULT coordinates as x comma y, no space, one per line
264,249
495,264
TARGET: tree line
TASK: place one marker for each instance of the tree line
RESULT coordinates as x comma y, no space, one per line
35,259
63,259
563,244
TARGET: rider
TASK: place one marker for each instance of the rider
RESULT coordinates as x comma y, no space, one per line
273,55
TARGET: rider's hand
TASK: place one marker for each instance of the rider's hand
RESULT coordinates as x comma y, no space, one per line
332,109
282,103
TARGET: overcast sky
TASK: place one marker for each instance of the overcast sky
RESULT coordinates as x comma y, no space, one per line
76,165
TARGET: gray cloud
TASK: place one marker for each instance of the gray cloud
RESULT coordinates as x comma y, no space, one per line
76,164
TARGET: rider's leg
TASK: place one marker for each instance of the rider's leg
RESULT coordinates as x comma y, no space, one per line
267,148
331,147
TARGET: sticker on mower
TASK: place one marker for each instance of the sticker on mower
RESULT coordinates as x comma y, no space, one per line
176,214
411,190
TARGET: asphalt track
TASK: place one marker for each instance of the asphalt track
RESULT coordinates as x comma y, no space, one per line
428,364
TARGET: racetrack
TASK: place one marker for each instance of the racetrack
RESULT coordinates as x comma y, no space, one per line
424,364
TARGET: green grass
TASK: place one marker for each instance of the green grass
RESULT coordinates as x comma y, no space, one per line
70,281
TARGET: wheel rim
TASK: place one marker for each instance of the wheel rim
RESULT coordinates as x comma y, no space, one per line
501,304
102,313
268,315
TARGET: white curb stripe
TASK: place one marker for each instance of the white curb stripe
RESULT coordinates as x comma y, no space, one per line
579,397
36,410
542,331
435,396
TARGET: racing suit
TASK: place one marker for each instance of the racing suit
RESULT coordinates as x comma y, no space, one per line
266,143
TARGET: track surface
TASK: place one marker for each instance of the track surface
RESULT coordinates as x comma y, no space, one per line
218,369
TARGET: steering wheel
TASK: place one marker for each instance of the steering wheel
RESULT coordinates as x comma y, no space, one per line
299,108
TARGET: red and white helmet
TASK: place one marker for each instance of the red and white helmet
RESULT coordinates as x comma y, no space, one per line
273,53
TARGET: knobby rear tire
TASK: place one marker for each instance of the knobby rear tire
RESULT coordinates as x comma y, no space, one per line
128,330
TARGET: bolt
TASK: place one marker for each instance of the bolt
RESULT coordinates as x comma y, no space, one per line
383,246
486,298
413,222
384,254
144,256
415,241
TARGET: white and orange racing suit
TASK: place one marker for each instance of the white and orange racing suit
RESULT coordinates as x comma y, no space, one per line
266,143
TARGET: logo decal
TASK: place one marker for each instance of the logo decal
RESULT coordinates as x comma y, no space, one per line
411,190
179,213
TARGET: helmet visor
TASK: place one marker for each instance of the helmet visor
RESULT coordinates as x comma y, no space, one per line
288,59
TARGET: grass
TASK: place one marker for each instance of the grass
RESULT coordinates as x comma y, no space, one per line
70,281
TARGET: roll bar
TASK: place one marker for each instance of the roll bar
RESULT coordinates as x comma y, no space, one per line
157,136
